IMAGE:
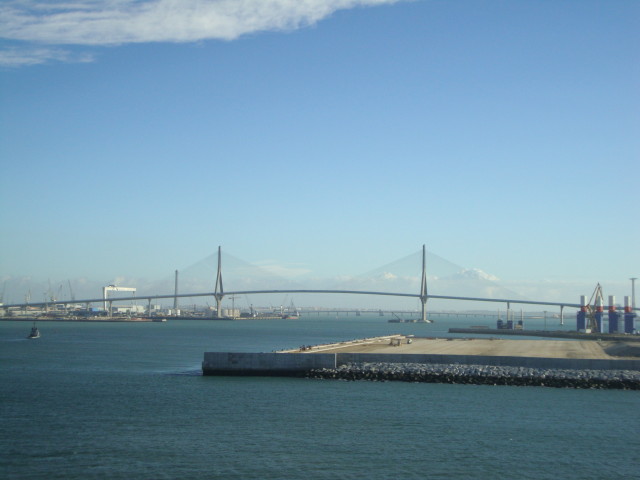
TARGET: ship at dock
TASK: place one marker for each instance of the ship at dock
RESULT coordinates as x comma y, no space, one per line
291,313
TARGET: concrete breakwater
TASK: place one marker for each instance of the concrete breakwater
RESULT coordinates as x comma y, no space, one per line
577,373
264,364
232,363
396,357
482,375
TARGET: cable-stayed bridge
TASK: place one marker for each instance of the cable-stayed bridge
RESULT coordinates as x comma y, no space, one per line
219,294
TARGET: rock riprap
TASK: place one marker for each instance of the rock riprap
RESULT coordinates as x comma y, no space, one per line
482,375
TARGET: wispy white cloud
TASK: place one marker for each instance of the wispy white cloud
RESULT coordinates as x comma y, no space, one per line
33,55
282,270
475,274
116,22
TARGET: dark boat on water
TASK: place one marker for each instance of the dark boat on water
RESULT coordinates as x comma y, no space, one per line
35,333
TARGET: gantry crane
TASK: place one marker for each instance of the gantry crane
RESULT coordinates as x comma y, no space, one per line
113,288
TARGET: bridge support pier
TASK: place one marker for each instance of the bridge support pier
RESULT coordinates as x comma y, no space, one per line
423,318
219,305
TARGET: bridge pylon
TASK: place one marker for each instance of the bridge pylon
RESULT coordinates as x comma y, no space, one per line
218,293
423,287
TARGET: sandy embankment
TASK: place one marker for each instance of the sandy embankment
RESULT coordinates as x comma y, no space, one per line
491,347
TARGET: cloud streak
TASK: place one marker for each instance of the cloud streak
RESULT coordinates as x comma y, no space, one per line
33,55
116,22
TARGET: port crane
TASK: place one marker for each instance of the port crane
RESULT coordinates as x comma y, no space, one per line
73,297
113,288
597,300
233,305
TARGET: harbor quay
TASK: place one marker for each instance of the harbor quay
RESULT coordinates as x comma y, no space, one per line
559,363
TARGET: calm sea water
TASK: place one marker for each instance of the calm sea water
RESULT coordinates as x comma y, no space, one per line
127,401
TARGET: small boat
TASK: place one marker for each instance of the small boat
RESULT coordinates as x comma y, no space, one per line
35,333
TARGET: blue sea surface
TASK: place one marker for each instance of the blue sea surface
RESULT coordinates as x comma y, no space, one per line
127,400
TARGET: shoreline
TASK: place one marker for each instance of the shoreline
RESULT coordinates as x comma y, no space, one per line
85,320
126,319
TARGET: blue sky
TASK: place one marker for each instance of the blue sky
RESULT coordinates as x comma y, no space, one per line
326,137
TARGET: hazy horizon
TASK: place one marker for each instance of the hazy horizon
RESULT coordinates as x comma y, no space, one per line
402,275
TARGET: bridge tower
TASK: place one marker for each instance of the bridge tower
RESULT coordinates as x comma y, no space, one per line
423,287
175,298
219,291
